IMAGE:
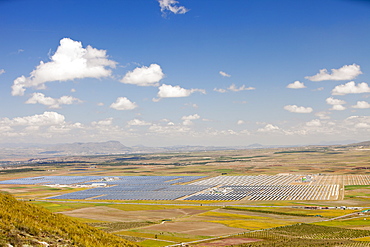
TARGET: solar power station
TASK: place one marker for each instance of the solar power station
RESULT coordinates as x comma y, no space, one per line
220,188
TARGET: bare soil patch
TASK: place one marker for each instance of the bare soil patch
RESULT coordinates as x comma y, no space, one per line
105,213
229,242
196,228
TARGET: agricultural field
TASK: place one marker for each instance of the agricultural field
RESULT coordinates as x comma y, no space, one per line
236,197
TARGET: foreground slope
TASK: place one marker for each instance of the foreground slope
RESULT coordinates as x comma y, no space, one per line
22,223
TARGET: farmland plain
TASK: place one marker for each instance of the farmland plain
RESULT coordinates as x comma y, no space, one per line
168,222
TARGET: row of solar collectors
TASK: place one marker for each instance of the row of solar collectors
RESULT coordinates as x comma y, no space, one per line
357,180
269,198
249,180
294,192
52,180
215,197
151,187
153,179
85,179
145,195
158,192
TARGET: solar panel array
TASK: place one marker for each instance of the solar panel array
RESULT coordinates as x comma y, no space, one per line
121,187
249,180
272,192
48,180
278,187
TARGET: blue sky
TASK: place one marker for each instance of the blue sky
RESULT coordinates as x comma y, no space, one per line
185,72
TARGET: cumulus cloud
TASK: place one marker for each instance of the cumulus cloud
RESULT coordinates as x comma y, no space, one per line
362,126
351,87
332,101
314,123
347,72
2,71
224,74
105,122
269,128
137,122
240,122
234,88
338,108
337,104
70,61
47,118
362,105
298,109
144,76
171,5
322,115
296,85
123,103
168,91
39,98
188,119
191,117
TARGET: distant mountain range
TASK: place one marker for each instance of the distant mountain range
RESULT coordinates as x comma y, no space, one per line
115,147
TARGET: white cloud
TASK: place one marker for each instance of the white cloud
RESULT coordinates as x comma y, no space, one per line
314,123
70,61
224,74
362,126
169,129
105,122
171,5
322,115
47,118
137,122
362,105
269,128
332,101
191,117
220,90
144,76
240,122
242,88
73,90
296,85
347,72
298,109
188,119
337,104
123,103
350,87
39,98
2,71
233,88
338,108
168,91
